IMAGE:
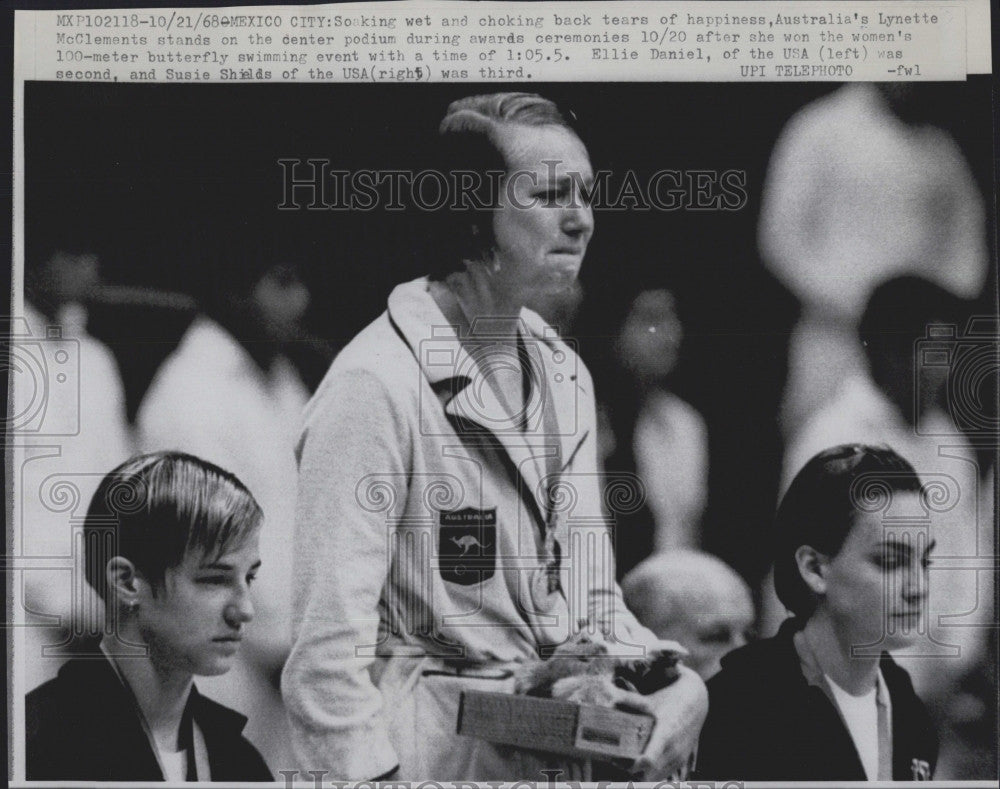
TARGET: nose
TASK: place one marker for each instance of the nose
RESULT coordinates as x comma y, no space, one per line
578,218
915,585
240,609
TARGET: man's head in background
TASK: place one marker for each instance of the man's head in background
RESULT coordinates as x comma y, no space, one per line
252,284
897,316
60,268
693,598
649,340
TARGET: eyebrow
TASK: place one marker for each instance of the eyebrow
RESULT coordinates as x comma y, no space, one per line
902,547
568,179
226,566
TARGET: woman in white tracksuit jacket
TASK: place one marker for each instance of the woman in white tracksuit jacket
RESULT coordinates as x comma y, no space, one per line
449,519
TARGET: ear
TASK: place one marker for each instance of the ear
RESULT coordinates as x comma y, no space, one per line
124,579
812,567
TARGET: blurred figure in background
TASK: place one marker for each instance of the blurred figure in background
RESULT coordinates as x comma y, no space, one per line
656,432
895,396
230,395
693,598
860,188
66,438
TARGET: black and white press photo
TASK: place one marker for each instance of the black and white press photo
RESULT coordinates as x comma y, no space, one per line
504,431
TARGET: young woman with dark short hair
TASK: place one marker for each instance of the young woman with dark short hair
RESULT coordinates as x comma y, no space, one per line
822,700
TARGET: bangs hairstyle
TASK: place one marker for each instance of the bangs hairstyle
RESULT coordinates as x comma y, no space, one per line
822,503
155,508
467,151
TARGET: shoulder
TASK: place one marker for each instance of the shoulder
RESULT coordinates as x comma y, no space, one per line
684,421
749,690
47,731
76,680
375,372
62,721
378,356
42,706
739,680
232,756
755,677
204,370
564,352
901,692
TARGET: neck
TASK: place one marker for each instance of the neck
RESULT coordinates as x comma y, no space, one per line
161,691
478,295
832,651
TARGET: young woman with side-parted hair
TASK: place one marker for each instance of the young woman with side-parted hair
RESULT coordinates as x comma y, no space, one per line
172,548
822,700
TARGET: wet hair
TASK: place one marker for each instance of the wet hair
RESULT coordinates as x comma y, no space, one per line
820,507
469,142
155,508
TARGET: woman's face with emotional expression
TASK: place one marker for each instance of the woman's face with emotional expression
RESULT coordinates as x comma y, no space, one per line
542,224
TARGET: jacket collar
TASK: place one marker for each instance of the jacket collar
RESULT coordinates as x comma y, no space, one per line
445,354
131,754
775,664
814,675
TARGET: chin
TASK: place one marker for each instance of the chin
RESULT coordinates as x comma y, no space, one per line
887,641
899,640
213,667
560,282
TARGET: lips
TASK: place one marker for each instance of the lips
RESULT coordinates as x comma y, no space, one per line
229,639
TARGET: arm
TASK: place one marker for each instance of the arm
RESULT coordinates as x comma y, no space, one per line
727,747
679,710
341,563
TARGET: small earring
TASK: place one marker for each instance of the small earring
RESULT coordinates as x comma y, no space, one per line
133,606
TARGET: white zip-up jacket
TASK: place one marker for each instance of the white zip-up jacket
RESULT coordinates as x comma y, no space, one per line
422,561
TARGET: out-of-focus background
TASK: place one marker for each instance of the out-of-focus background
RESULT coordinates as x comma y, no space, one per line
727,346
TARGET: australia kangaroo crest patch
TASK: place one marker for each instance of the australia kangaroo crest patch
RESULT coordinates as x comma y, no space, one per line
467,540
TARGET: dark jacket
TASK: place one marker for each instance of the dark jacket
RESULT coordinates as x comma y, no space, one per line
83,726
767,723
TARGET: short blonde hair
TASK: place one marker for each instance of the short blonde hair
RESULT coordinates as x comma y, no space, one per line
153,509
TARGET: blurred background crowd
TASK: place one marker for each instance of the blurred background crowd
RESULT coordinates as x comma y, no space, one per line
727,347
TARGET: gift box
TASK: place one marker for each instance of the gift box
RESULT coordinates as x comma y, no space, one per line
553,725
